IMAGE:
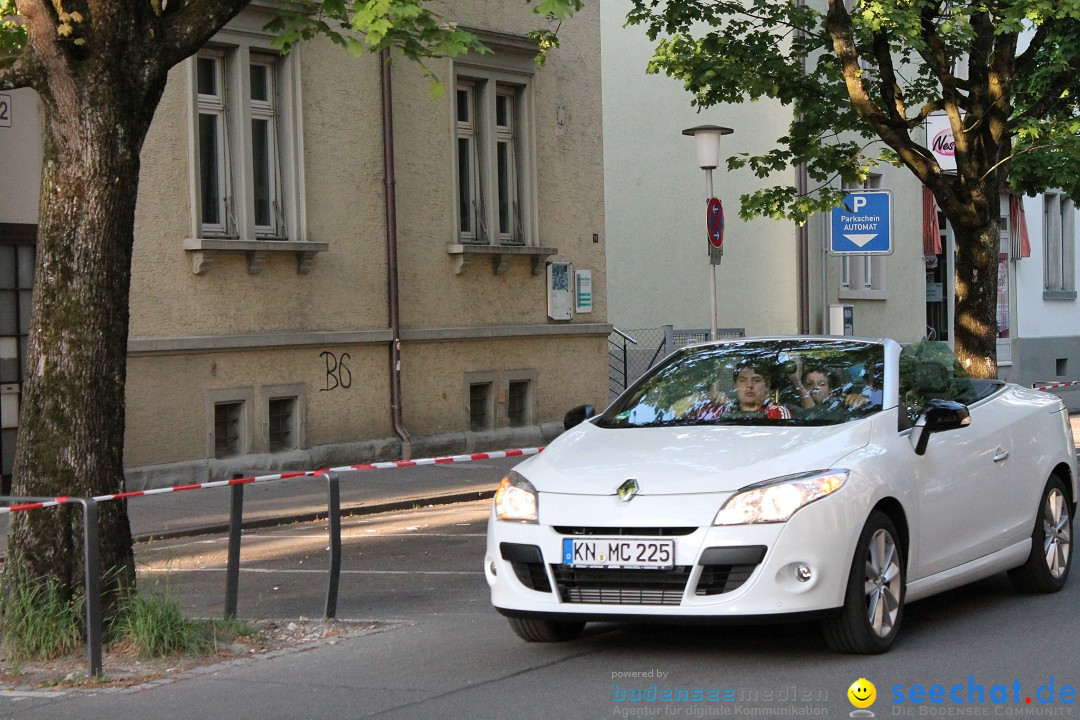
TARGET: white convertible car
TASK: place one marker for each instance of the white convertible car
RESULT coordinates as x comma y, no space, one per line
827,478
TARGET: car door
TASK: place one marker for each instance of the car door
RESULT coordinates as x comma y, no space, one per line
962,481
960,490
1028,432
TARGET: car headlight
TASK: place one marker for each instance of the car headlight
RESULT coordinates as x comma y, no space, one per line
516,499
777,500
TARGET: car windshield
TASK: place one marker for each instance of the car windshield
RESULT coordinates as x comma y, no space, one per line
758,382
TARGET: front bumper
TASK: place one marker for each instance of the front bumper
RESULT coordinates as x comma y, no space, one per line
735,572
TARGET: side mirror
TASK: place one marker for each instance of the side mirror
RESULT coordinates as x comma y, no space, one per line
940,416
578,415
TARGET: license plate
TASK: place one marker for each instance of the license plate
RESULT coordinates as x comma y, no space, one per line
638,553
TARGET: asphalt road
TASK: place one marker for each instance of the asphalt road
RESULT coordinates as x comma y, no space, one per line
446,654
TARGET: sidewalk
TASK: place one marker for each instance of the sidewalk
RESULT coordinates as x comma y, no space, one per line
301,499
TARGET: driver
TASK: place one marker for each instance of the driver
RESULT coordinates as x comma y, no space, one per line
752,397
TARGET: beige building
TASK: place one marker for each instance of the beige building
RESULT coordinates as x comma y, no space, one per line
269,325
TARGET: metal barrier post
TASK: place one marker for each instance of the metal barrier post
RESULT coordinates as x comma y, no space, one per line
91,569
334,517
92,589
232,570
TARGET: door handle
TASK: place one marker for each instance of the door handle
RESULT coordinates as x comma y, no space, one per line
1001,455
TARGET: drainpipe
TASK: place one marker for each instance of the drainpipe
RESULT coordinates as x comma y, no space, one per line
393,297
803,244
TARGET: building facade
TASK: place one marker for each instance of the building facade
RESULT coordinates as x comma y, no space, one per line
657,256
290,308
657,251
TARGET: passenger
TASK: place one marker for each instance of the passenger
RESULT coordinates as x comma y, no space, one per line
871,392
752,397
816,391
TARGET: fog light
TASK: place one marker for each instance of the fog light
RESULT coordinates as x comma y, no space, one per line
493,570
803,573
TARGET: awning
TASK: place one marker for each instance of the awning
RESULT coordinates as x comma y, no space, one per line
1019,242
931,231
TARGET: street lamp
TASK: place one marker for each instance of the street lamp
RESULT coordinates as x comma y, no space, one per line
707,140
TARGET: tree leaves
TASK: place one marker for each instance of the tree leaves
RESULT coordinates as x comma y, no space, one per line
12,32
911,56
362,26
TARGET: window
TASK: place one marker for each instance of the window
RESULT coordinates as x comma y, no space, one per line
929,370
863,276
1059,242
861,267
264,155
480,406
228,428
494,173
1004,354
281,422
470,212
229,422
247,142
282,417
509,219
517,403
214,188
16,291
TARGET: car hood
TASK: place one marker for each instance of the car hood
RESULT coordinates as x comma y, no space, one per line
589,460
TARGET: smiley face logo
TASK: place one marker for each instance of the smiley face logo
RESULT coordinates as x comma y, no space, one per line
862,693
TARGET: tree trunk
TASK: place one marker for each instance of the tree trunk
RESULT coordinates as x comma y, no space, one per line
977,249
71,428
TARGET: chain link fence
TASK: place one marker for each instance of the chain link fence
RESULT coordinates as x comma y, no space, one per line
632,352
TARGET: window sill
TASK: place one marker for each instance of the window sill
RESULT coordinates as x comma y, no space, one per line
863,294
500,255
1059,294
203,251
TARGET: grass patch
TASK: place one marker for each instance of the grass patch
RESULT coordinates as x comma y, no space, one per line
155,625
37,621
233,628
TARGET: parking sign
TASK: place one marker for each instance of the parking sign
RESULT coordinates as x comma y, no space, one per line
863,224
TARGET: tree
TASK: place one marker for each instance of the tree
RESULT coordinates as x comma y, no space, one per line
99,68
1004,72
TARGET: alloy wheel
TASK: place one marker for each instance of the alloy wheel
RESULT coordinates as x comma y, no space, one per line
882,583
1057,533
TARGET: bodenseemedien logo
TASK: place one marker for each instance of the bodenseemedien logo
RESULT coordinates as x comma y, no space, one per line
862,695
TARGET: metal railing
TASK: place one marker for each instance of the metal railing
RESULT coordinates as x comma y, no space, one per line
618,377
650,345
91,541
91,566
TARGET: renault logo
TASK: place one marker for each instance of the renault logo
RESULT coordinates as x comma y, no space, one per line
628,490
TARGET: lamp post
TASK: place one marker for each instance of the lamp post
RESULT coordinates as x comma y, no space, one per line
707,140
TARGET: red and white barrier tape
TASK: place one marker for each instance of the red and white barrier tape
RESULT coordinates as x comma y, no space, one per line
436,461
495,455
1054,386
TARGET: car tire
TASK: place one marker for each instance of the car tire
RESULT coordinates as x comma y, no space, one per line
1047,566
545,631
874,599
